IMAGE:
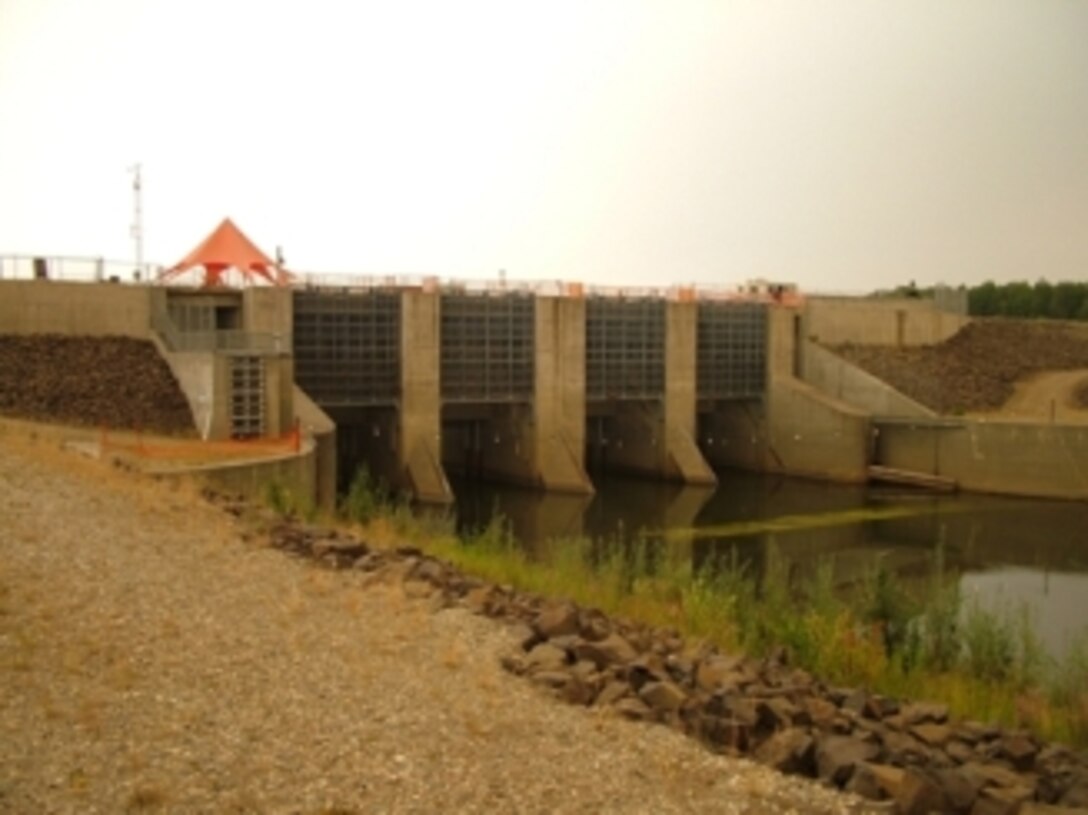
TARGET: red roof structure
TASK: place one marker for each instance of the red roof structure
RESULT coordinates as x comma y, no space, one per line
225,248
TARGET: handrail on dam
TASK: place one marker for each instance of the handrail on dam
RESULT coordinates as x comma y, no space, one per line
77,269
223,340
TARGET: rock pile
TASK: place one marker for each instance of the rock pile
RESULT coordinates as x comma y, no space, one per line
115,382
909,754
977,368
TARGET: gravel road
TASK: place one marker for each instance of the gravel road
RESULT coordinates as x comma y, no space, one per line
153,660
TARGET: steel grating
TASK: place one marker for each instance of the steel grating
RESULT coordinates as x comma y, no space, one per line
246,396
487,347
347,347
625,348
731,350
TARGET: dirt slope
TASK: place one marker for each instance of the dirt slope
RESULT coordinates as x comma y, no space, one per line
117,382
977,369
153,661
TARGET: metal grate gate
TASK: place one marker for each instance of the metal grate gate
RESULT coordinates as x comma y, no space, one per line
625,348
347,347
487,347
246,397
731,350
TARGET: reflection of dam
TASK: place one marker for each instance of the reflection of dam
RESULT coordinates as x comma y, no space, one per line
804,523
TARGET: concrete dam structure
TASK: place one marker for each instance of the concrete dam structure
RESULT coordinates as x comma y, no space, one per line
545,388
528,388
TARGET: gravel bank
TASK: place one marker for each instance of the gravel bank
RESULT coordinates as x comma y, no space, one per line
152,660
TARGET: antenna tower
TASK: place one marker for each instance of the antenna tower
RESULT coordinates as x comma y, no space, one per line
137,228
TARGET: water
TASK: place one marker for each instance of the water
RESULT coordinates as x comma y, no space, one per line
1006,554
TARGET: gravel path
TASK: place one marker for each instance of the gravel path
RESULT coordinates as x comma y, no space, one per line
152,660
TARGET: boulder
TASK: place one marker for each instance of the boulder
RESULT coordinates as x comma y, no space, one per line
725,733
712,672
612,692
429,569
612,650
593,625
551,679
557,620
789,751
662,696
991,775
905,750
959,790
1001,800
821,712
935,735
545,657
578,691
913,793
923,712
1018,750
836,757
632,708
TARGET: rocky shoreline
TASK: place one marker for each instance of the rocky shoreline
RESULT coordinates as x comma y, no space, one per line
908,754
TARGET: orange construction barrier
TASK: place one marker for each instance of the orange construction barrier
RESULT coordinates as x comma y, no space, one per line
165,448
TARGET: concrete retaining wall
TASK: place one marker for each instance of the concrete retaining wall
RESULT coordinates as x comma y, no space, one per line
871,321
75,309
314,422
816,436
1039,460
834,376
799,432
296,474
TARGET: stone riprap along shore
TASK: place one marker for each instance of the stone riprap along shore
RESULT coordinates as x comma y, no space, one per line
909,755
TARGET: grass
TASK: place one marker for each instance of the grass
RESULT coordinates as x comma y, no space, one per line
985,663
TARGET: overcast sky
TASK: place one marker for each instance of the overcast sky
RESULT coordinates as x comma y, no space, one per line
842,145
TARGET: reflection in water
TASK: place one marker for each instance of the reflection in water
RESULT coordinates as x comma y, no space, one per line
1004,552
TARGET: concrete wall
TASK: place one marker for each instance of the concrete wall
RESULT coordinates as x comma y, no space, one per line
296,473
798,431
834,376
559,406
195,373
1044,460
734,435
420,416
873,321
813,435
682,460
268,310
75,309
279,395
316,424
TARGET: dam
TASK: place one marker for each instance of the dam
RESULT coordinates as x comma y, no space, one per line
521,386
545,385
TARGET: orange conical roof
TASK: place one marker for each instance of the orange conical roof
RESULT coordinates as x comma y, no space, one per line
228,247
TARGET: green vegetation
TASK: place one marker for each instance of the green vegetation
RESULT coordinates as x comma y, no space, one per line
1059,301
985,664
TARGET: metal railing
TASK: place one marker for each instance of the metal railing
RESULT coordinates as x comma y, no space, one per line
69,269
231,341
90,269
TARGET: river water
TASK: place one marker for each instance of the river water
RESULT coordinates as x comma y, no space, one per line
1006,554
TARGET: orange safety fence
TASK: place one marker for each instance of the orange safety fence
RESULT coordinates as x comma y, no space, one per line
165,448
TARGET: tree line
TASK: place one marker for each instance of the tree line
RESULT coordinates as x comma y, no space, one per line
1059,301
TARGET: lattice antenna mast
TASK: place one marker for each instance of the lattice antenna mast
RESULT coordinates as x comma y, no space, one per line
137,228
